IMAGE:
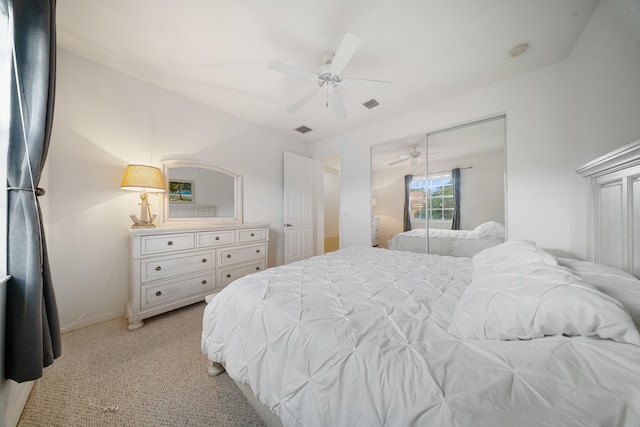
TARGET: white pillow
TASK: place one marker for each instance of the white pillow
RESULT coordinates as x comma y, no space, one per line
512,253
490,228
535,300
616,283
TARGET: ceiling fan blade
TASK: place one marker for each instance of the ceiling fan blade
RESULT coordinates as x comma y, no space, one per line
348,46
303,100
347,83
290,69
398,161
338,106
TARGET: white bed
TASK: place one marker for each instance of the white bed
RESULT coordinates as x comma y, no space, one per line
511,337
372,337
463,243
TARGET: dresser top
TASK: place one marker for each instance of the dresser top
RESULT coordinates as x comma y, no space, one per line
175,228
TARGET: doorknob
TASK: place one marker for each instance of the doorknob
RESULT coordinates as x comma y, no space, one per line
288,225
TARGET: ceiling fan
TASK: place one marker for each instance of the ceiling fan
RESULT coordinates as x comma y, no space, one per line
413,156
328,77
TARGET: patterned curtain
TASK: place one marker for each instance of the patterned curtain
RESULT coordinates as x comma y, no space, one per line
32,336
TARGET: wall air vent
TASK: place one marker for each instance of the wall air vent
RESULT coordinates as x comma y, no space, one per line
371,103
303,129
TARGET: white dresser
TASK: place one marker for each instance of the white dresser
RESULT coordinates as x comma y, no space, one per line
375,228
170,267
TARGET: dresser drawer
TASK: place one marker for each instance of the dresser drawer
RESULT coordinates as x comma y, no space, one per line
215,238
174,291
251,235
166,243
229,274
169,266
227,256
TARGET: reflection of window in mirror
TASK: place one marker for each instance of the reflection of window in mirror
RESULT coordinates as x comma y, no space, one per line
439,189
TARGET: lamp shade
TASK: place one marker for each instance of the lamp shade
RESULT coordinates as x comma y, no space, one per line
142,178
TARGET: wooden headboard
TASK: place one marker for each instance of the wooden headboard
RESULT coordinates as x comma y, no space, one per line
614,208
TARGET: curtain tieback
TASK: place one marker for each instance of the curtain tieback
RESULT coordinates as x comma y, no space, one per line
39,191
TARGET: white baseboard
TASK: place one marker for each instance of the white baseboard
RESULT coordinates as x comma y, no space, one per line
17,395
89,321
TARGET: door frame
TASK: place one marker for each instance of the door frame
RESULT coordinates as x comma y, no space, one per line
319,162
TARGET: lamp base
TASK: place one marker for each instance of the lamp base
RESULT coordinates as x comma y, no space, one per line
137,223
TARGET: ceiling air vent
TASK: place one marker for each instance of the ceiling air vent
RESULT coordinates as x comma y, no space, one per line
371,103
303,129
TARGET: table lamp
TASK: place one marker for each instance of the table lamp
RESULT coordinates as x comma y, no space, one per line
145,179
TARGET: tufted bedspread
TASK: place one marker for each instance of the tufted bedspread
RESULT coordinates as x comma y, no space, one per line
464,243
359,337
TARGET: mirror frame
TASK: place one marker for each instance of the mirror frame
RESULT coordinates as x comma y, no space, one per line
237,191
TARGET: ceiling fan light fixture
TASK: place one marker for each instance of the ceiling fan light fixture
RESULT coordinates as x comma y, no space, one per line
328,77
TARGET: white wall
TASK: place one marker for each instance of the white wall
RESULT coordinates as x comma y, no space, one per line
603,84
105,120
558,118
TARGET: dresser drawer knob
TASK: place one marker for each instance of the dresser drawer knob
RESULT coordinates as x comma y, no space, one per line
204,260
258,268
169,243
253,235
158,268
229,256
228,276
217,237
257,251
158,293
204,282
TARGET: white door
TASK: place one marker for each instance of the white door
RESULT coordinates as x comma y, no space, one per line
298,207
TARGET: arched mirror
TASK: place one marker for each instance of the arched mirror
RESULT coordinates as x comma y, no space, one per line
198,192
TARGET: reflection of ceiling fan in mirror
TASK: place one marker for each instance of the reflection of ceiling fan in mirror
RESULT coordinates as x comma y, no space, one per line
413,156
329,76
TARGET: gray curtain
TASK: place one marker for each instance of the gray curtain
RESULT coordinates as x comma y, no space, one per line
455,175
32,338
406,222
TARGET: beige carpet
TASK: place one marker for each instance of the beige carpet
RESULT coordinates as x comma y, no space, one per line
153,376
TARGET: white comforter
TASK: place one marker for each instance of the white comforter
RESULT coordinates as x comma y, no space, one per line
359,337
463,243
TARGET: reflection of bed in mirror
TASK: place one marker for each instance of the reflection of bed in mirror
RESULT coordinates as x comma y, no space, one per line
463,243
192,211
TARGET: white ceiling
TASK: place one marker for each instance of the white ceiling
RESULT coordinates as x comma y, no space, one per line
216,51
487,136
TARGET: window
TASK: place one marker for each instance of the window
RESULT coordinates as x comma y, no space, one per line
432,198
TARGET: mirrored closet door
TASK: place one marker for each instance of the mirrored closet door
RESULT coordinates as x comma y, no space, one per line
395,164
431,193
465,184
